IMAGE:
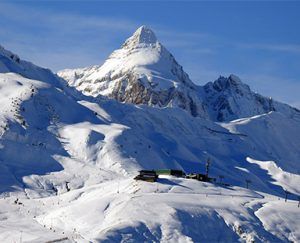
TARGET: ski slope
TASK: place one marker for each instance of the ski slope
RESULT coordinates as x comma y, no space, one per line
78,173
67,163
170,210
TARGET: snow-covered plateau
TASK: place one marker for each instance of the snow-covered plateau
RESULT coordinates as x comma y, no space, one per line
71,144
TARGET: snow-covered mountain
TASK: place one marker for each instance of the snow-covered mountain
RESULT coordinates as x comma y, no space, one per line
70,159
144,72
229,98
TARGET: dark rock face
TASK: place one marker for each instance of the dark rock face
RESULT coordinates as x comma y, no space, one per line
229,98
144,72
133,90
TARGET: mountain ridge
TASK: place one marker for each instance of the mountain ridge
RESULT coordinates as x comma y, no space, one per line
144,72
10,62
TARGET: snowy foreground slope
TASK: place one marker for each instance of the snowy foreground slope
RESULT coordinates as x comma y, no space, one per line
171,210
67,163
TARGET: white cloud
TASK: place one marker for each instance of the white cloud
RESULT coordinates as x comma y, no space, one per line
62,21
59,40
292,48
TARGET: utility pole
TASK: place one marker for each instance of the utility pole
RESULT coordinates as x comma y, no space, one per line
207,166
221,177
247,183
51,224
286,195
298,201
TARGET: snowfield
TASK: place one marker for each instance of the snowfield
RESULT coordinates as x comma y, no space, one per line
170,210
67,160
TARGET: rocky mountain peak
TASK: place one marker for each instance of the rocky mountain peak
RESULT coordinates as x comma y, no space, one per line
143,71
142,36
228,98
228,83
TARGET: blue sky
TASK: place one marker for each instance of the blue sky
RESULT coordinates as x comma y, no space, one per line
258,41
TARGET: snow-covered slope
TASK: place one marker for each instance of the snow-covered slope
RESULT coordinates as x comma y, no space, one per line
274,133
10,62
70,160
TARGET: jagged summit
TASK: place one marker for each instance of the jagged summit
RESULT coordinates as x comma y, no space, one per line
232,81
143,35
228,98
143,71
235,78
